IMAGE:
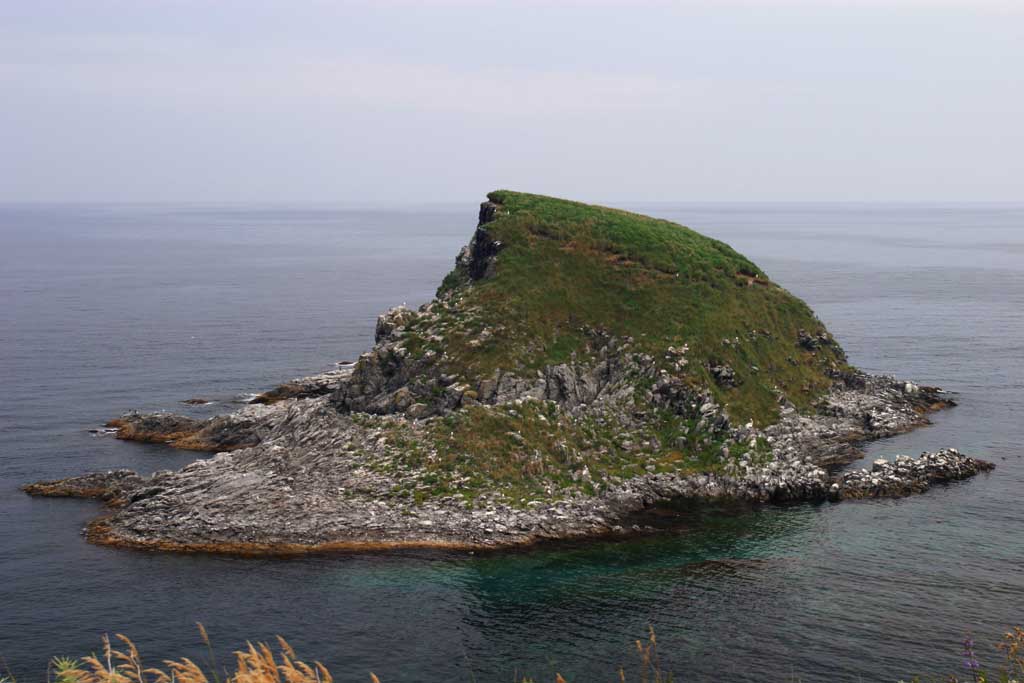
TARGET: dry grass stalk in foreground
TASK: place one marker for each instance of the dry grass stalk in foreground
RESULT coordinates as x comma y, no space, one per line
256,664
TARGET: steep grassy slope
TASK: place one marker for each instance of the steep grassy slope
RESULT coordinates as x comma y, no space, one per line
565,269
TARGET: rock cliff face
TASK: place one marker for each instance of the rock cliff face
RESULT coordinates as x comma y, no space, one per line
478,257
576,367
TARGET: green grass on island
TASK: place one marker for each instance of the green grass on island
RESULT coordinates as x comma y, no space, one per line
565,271
567,267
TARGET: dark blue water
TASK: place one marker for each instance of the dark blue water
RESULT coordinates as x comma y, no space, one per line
107,308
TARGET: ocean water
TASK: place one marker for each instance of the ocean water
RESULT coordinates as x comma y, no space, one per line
111,307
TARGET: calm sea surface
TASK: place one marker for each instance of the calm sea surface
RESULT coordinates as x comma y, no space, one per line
108,308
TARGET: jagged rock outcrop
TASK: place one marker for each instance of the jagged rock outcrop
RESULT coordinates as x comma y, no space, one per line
222,433
389,380
306,387
904,475
861,408
478,257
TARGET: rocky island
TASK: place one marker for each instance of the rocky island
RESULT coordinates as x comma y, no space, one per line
578,365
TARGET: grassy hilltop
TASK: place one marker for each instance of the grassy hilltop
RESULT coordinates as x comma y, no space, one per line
566,267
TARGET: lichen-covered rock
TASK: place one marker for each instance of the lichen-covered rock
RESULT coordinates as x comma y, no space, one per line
391,321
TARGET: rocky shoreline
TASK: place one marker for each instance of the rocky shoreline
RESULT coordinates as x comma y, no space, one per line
284,485
458,430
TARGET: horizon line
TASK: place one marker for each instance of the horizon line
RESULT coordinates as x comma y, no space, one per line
462,202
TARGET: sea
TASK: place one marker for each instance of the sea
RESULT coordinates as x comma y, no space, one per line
110,307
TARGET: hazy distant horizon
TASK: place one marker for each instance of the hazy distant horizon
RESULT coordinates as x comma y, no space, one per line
397,102
458,204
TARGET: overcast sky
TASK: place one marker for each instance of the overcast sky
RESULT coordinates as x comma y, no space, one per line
442,100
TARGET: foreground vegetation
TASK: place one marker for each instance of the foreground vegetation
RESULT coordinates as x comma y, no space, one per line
254,664
259,664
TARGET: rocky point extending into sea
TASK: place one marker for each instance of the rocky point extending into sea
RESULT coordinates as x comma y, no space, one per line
492,417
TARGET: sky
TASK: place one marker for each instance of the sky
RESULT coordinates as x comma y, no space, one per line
392,101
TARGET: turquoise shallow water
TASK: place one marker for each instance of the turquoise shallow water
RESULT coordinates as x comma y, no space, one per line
108,308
